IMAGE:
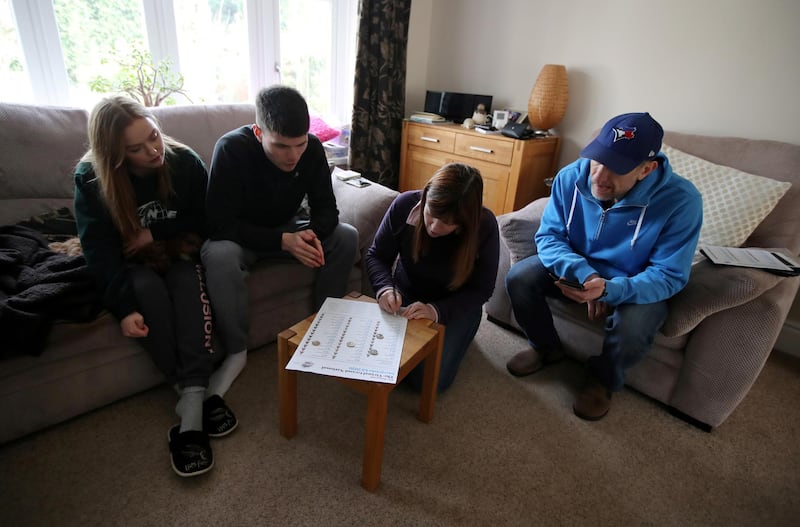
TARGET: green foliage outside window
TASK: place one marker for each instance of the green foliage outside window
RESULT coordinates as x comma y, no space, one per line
149,83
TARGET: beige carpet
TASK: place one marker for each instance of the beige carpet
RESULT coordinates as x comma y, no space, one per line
500,451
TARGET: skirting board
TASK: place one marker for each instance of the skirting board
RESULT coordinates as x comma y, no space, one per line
789,338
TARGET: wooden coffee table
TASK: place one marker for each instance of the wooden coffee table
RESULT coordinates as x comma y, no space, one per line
423,342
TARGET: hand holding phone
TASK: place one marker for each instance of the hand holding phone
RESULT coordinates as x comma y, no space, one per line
565,282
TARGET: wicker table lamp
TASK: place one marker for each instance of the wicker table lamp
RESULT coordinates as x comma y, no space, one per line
549,97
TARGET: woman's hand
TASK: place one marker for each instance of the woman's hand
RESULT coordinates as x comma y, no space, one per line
133,326
391,301
420,310
137,242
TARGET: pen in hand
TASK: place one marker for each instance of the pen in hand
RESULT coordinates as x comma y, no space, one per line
394,287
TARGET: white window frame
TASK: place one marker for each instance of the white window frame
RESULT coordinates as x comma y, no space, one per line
38,36
41,47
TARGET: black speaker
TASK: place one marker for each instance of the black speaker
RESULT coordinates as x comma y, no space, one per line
455,106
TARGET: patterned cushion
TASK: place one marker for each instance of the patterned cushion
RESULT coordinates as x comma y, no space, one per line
734,202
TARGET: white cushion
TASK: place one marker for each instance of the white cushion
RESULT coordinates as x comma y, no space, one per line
734,202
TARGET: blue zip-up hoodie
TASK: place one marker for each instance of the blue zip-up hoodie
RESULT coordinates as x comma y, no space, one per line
643,245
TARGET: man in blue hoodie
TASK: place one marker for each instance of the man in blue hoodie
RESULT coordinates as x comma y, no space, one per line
618,234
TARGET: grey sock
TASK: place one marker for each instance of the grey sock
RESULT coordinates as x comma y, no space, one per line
221,380
190,408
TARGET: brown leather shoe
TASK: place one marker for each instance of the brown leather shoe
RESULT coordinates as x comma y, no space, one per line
593,401
530,361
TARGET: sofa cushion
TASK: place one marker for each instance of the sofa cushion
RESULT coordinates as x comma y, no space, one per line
322,130
734,202
518,228
39,148
200,125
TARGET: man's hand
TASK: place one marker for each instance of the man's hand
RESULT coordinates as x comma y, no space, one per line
305,246
592,290
420,310
137,242
597,309
133,325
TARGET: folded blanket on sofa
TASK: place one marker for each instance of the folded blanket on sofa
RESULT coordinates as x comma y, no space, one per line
37,287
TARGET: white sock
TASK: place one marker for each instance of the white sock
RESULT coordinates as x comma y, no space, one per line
190,408
221,380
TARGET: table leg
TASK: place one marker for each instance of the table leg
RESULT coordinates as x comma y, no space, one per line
430,377
287,387
377,403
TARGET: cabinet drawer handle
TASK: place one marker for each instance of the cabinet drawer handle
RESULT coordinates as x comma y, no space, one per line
429,139
481,149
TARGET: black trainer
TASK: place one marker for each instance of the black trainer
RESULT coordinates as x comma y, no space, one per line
190,452
218,419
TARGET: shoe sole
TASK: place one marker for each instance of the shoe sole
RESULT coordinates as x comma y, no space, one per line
589,417
176,469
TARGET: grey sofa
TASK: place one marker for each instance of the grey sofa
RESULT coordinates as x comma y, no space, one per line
88,365
722,326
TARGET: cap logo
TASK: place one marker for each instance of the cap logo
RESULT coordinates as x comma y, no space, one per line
624,133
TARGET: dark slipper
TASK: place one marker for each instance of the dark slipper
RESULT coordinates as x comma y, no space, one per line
218,419
190,452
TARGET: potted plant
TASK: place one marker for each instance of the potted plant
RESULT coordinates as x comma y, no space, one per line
138,76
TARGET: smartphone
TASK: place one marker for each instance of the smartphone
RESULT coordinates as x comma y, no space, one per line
360,183
563,281
570,283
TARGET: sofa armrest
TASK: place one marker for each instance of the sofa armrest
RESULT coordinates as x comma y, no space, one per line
712,289
726,352
363,208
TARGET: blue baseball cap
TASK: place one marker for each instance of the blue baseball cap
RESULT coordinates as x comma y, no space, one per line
626,141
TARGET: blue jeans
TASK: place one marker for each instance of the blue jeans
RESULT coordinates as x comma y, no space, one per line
458,335
227,265
629,330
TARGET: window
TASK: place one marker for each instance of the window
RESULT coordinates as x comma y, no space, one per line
14,83
86,26
225,49
213,50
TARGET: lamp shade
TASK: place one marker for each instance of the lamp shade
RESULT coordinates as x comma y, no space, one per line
549,97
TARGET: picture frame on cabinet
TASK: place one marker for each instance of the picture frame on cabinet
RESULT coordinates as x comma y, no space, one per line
517,116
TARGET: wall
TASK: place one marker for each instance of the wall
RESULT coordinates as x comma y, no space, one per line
718,67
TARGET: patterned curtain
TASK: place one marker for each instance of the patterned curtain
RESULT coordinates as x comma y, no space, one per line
380,90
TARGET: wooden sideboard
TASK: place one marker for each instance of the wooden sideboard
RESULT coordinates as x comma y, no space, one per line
513,170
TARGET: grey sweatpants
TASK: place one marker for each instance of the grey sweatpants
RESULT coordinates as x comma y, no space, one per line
227,265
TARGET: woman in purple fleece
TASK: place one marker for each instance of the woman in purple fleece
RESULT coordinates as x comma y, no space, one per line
435,256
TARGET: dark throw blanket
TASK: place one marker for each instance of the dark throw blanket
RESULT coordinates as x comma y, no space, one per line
37,287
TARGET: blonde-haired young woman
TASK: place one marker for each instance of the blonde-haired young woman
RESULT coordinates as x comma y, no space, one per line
139,206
